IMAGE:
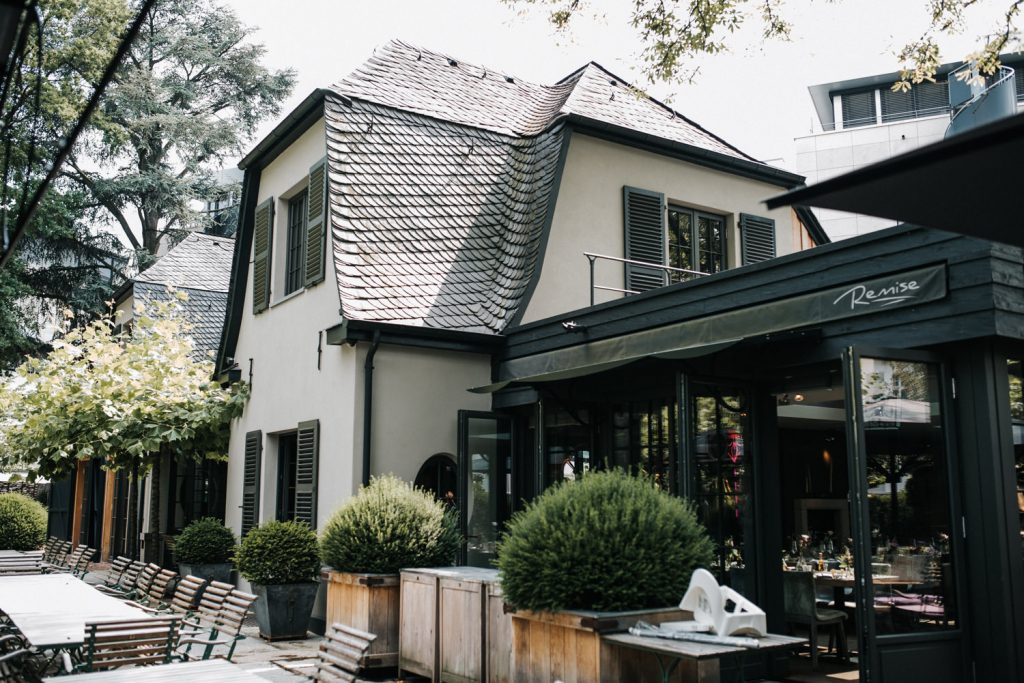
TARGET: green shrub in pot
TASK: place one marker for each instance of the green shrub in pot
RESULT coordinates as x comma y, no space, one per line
608,542
22,522
389,525
282,562
204,549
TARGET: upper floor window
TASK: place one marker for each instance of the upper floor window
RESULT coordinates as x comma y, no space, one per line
296,247
696,241
859,109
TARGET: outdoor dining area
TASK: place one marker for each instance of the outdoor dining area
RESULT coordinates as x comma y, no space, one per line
138,623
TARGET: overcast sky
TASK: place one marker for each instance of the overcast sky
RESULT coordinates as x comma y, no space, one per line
755,97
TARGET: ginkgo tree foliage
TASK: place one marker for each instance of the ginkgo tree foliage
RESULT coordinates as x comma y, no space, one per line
125,397
675,32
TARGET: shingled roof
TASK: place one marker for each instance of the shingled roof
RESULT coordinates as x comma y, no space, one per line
442,174
200,266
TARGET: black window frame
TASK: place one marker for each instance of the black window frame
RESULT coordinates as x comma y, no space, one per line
673,249
295,248
287,459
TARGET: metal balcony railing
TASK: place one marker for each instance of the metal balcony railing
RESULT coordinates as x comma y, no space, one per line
977,100
666,272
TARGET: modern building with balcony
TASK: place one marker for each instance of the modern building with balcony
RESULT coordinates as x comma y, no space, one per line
862,120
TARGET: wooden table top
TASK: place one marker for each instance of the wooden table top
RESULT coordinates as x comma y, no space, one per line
212,670
876,579
50,610
693,650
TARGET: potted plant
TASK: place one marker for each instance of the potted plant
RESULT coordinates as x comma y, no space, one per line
594,556
204,549
281,561
387,526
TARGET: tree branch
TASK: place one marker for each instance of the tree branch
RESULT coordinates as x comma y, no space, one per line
84,178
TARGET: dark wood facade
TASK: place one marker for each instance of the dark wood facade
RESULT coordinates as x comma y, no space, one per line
971,331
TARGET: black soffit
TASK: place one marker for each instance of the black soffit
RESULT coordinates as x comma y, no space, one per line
969,184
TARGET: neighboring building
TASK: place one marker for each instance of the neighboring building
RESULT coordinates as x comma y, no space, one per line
863,121
222,207
200,267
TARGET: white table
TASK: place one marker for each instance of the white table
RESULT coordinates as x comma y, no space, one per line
212,671
51,610
11,554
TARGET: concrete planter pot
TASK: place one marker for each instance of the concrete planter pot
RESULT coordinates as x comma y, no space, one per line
369,602
220,571
568,646
282,610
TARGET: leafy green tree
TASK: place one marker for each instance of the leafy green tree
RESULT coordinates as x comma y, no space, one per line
190,93
674,32
125,397
62,262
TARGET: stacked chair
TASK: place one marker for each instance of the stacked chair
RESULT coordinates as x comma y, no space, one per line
341,654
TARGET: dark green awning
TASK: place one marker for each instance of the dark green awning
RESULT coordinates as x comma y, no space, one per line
703,336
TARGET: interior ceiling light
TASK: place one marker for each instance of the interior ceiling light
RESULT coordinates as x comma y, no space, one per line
798,397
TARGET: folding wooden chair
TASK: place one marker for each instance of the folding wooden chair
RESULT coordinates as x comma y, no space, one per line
16,661
224,630
127,584
341,654
50,548
187,594
136,642
112,576
77,562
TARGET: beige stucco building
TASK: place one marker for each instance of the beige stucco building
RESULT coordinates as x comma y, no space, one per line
396,225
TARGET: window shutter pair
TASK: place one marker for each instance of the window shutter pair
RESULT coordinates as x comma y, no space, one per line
307,465
757,238
251,480
644,213
316,223
316,238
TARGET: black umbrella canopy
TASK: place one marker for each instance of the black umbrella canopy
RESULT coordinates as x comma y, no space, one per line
972,183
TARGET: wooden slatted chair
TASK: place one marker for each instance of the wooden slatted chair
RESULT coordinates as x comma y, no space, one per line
78,561
187,594
136,642
112,577
59,558
224,630
341,654
127,583
50,548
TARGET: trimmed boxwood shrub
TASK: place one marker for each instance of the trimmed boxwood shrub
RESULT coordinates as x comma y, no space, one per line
279,552
205,541
609,542
387,526
22,522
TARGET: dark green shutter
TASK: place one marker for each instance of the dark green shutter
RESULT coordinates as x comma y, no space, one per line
757,238
263,232
316,223
251,480
307,462
644,213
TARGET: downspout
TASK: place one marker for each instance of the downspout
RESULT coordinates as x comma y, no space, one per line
368,405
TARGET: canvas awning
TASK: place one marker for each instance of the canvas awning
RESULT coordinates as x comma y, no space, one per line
703,336
969,184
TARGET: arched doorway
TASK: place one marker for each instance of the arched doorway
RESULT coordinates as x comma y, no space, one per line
439,475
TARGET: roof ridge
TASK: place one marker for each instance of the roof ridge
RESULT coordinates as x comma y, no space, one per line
666,107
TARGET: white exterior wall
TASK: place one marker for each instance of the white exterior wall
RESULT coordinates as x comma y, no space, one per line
417,392
287,385
589,216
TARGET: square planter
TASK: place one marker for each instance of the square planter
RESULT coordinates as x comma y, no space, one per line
567,646
220,571
368,602
282,610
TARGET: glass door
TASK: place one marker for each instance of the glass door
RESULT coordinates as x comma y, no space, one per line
905,518
485,483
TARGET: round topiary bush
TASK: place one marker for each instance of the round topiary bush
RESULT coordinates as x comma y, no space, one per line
387,526
279,552
22,522
608,542
205,541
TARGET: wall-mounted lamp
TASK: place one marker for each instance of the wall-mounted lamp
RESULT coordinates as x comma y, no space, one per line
798,398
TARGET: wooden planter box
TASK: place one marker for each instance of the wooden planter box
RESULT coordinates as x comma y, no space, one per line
567,646
453,626
368,602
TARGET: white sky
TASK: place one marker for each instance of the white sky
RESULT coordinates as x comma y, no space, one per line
755,97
